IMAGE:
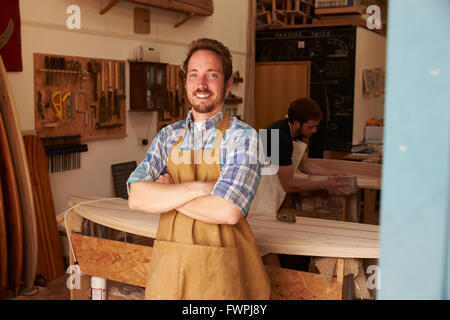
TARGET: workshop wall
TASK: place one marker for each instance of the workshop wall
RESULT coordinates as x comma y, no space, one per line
111,36
370,54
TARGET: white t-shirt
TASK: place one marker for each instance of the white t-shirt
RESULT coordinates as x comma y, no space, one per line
270,193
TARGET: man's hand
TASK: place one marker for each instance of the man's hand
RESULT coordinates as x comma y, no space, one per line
336,188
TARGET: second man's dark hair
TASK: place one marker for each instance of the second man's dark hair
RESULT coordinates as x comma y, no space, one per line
303,110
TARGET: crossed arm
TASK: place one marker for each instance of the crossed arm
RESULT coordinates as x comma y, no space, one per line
193,199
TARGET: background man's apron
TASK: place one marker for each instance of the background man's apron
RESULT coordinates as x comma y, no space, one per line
195,260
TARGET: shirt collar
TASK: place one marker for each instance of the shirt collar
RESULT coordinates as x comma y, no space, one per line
214,121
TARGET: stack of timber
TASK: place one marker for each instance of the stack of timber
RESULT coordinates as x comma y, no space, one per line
50,261
18,202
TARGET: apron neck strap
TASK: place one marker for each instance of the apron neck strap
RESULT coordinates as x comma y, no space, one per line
222,128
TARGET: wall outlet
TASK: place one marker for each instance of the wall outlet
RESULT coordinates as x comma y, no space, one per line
142,141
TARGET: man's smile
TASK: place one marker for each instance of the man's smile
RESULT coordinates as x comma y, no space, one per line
202,94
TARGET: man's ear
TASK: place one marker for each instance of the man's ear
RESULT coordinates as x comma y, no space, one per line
229,85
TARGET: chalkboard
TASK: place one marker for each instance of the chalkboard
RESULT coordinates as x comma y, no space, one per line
331,51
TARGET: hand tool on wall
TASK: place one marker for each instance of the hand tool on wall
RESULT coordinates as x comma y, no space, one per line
52,74
62,68
83,75
116,93
40,105
94,68
47,67
108,126
58,69
177,89
170,90
180,90
63,153
93,114
102,104
69,109
109,105
85,111
58,101
122,78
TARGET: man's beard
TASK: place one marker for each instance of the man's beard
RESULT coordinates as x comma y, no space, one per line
202,108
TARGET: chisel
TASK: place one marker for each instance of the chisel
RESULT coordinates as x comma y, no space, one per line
109,106
102,103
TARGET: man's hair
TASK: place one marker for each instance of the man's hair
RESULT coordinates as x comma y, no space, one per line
303,110
214,46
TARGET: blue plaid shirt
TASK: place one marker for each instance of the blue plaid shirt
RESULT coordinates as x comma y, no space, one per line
240,169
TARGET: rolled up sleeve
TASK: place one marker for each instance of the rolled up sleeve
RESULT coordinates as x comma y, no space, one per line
240,173
154,163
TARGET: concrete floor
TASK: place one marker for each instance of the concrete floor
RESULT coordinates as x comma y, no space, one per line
56,289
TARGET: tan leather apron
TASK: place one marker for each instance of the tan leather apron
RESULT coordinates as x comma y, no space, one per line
195,260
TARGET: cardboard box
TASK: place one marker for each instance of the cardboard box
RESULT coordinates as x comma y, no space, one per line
374,134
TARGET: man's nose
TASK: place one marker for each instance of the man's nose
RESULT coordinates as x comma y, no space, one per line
202,81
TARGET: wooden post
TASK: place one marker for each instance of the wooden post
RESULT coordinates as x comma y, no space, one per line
340,278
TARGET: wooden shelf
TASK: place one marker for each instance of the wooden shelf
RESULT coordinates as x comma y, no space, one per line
229,101
343,10
189,8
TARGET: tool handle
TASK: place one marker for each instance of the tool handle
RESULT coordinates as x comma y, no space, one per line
109,76
103,78
116,72
94,76
57,105
122,76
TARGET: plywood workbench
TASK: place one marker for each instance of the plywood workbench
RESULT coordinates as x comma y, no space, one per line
128,263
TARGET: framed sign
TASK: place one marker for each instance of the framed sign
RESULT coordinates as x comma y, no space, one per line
369,81
377,82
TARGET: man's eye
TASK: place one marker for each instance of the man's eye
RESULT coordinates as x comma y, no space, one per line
213,75
192,75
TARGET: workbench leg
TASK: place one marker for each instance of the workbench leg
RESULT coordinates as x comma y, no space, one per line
352,210
340,279
369,214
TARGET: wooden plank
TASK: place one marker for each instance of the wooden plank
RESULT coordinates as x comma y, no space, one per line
13,214
15,140
113,260
50,260
343,10
369,214
289,284
312,237
368,175
198,7
3,248
128,263
116,214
